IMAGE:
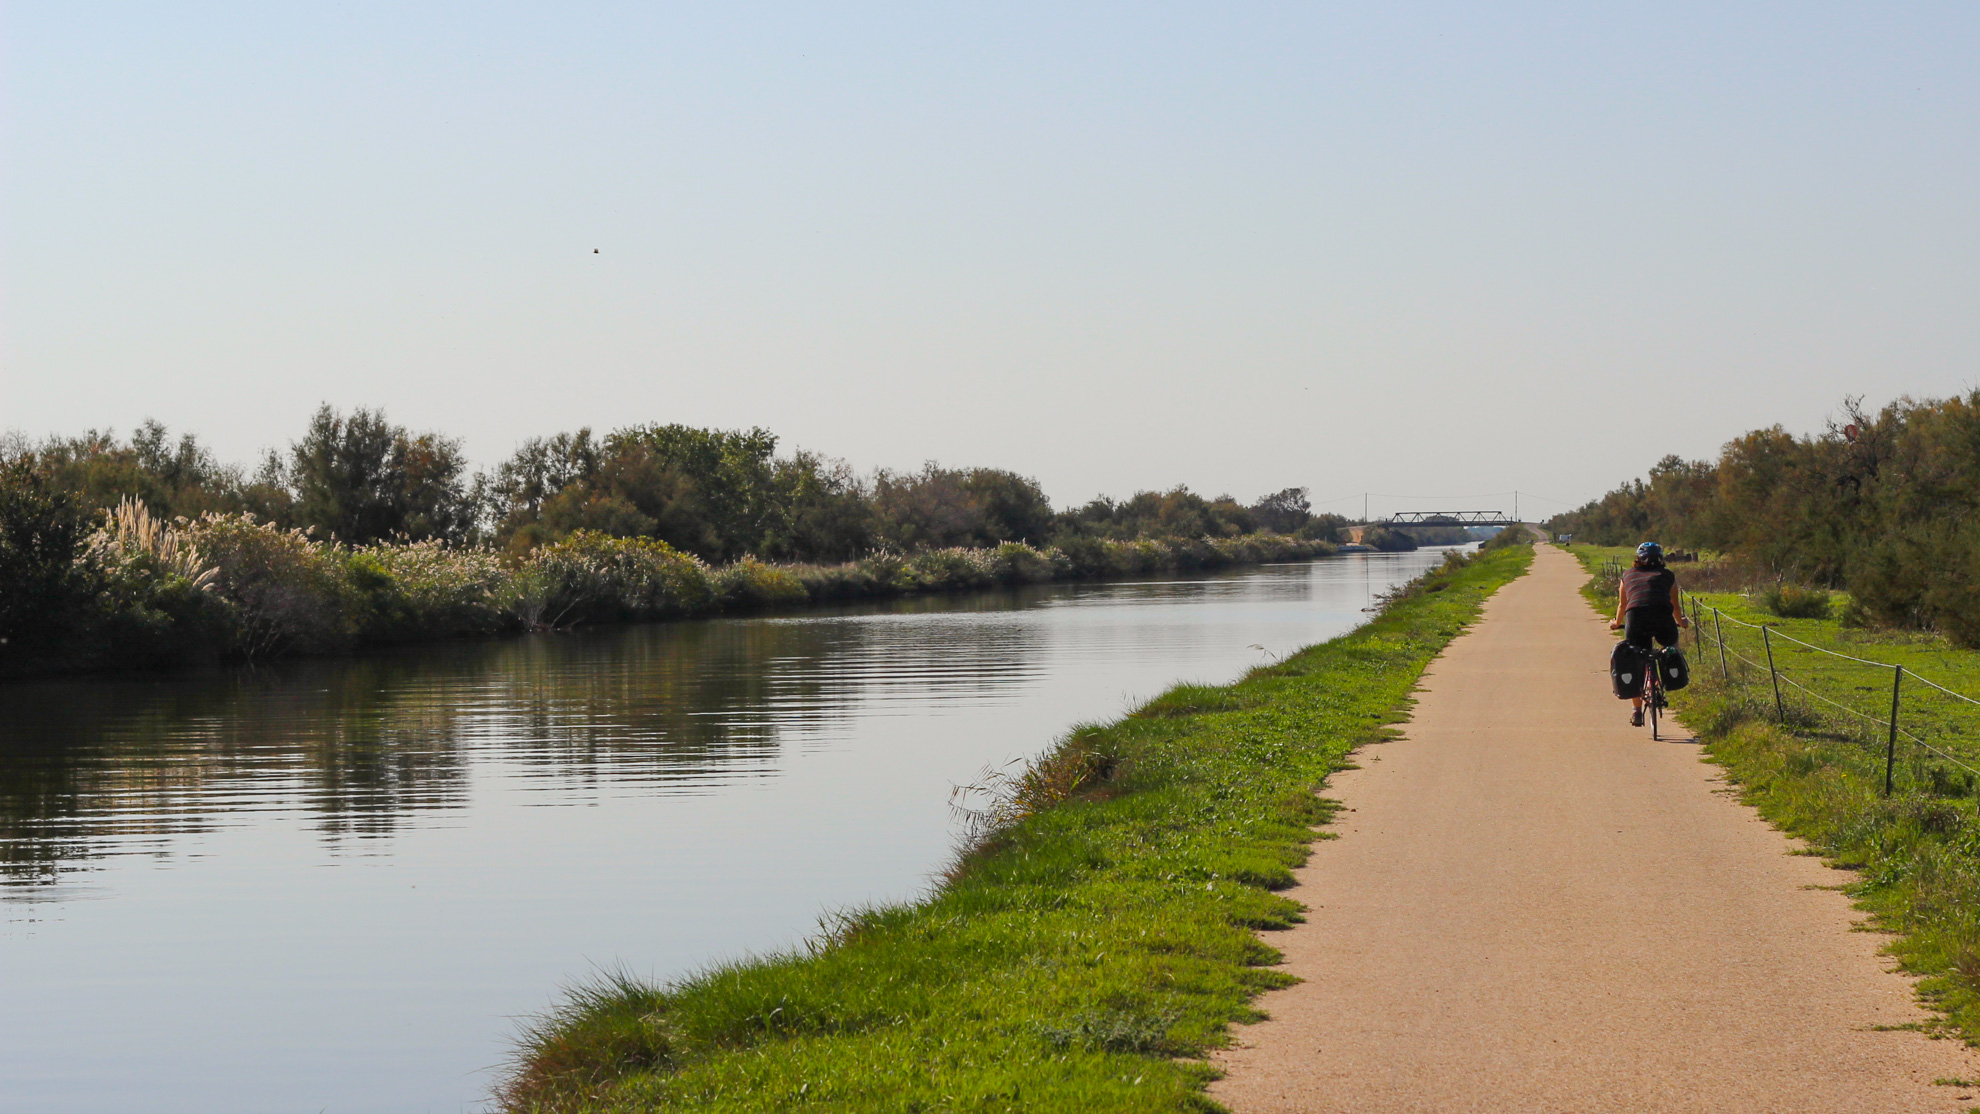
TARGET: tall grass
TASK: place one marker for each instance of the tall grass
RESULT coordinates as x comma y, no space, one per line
234,586
1098,934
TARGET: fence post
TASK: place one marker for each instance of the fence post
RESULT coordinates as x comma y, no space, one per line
1719,631
1890,748
1780,710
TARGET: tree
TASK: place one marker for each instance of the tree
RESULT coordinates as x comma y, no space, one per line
1283,512
829,510
711,492
1012,508
361,479
929,509
45,591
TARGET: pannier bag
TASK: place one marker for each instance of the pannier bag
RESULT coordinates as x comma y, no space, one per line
1626,671
1676,673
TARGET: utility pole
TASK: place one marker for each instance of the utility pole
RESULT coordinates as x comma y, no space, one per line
1515,505
1364,507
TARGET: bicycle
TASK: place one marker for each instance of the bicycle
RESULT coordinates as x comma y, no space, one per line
1653,691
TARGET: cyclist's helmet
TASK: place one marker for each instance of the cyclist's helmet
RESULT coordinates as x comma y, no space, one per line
1650,552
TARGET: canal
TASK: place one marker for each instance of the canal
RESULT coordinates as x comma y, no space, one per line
337,885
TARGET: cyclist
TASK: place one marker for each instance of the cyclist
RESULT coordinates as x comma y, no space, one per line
1648,608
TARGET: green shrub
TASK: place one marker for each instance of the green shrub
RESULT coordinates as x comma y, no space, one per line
1017,563
1387,540
290,594
156,603
429,590
1792,601
938,570
593,577
851,580
751,583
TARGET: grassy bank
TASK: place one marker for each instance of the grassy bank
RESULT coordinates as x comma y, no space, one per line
142,592
1097,939
1914,856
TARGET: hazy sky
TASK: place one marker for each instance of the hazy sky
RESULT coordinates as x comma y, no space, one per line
1410,248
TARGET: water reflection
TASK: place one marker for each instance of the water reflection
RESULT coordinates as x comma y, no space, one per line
360,747
422,844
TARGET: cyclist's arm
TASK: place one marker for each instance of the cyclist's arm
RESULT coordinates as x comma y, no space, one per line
1677,605
1622,605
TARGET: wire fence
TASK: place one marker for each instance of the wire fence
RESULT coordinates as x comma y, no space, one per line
1924,734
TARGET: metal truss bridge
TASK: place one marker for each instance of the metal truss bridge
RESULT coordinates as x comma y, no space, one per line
1449,518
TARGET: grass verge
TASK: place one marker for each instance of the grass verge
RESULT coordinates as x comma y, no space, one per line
1095,941
1816,771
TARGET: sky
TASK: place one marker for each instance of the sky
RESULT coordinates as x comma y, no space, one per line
1436,252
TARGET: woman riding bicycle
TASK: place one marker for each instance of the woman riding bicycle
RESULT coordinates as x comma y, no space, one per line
1648,608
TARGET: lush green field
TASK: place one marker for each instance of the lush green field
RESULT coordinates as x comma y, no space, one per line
1082,956
1915,855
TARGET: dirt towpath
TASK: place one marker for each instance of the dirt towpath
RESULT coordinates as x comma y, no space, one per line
1533,907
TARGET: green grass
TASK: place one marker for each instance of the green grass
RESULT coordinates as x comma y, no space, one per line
1081,957
1914,856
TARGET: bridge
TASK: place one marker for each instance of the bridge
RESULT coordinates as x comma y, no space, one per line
1403,520
1449,518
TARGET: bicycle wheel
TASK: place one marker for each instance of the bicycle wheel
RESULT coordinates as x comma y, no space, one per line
1654,697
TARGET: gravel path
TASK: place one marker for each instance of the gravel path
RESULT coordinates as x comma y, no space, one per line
1533,907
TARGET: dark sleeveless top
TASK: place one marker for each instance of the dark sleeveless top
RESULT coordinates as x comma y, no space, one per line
1648,588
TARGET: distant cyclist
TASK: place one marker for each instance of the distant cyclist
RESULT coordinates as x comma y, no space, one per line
1648,608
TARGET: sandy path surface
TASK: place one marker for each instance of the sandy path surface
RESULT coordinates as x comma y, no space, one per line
1533,907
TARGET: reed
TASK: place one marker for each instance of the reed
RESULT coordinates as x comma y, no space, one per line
232,585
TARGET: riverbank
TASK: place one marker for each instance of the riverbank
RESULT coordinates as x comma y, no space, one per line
1914,856
149,594
1083,955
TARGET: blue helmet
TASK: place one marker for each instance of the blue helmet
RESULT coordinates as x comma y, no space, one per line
1650,551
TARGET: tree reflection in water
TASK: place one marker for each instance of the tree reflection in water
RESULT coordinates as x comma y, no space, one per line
355,748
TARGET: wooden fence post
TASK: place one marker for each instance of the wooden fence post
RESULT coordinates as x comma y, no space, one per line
1890,748
1780,709
1719,627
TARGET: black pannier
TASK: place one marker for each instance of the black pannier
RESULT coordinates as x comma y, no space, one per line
1626,667
1673,670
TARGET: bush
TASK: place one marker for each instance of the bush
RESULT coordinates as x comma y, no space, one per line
937,570
751,583
155,597
1017,563
852,580
593,577
427,590
1792,601
289,594
1387,540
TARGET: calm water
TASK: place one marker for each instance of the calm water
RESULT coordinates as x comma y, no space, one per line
333,886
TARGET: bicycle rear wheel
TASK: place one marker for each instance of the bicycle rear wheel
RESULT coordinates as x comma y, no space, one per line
1654,698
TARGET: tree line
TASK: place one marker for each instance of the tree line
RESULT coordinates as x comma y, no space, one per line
149,551
1884,505
358,479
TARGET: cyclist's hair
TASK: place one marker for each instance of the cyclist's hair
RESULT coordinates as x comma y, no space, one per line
1656,562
